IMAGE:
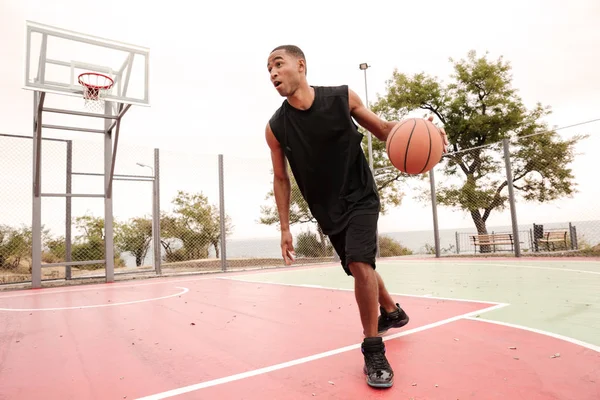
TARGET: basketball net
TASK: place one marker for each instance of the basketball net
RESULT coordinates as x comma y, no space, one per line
95,88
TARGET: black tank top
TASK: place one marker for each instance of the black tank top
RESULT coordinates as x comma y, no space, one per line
323,147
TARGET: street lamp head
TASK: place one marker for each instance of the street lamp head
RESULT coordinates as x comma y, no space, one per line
363,66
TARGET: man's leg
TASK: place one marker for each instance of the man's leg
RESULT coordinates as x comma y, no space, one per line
366,291
373,297
392,315
360,252
385,300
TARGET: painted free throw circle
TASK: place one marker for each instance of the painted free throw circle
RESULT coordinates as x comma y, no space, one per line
183,291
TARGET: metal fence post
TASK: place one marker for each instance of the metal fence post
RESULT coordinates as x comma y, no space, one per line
436,233
222,215
109,239
68,211
156,213
36,214
511,197
457,242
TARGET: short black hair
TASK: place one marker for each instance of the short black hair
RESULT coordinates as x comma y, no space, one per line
293,50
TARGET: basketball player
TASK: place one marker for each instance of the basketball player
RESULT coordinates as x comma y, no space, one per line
314,131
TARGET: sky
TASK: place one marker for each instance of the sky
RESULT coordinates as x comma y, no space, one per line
210,92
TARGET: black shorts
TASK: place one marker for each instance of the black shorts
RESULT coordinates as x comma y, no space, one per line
358,241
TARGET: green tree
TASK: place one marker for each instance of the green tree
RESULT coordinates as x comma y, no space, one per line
88,244
90,228
196,223
480,107
134,237
15,245
310,245
388,247
170,229
299,214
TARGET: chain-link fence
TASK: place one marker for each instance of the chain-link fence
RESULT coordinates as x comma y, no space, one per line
15,220
547,208
72,209
178,212
256,236
189,212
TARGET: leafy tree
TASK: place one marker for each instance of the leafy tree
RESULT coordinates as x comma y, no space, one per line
170,229
15,245
90,228
56,250
478,108
134,237
88,245
309,245
388,247
299,214
196,223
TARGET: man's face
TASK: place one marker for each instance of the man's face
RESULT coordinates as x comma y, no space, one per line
286,71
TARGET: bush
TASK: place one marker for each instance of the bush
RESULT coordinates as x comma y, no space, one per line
308,245
14,246
389,247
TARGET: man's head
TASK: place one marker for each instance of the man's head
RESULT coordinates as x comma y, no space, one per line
287,68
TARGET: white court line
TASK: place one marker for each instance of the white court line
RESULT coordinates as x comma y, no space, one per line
287,364
106,286
548,268
517,265
541,332
491,260
426,296
158,280
185,290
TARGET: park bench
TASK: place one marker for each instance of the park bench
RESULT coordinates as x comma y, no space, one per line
493,240
552,237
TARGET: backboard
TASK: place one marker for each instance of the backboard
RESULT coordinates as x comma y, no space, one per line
56,57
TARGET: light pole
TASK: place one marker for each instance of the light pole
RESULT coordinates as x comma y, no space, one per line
364,66
155,220
146,166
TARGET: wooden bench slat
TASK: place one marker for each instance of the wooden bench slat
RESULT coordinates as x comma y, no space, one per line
492,239
550,237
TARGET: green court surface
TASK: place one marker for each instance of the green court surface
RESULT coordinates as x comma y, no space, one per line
560,297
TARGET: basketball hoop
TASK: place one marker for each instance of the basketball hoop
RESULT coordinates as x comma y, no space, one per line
96,86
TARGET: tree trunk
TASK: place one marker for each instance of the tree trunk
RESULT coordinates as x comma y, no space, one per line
216,246
481,229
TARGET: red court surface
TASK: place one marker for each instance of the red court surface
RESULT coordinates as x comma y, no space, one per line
127,341
432,365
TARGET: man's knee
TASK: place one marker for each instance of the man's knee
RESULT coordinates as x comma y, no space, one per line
362,271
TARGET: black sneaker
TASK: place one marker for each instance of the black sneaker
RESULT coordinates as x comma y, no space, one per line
396,319
378,370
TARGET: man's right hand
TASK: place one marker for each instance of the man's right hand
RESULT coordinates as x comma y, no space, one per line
287,247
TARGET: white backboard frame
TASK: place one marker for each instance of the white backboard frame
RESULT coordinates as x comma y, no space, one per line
121,75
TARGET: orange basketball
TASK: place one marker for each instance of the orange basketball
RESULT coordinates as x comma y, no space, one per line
414,146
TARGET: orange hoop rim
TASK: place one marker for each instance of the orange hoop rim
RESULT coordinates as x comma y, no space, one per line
90,86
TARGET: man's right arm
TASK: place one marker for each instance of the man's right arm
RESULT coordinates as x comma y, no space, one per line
281,181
